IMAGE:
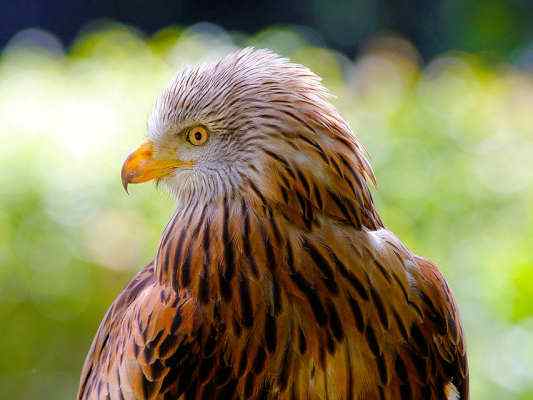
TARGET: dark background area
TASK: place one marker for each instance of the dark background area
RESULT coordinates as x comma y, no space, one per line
497,29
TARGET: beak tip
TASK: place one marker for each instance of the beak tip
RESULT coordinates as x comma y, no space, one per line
125,181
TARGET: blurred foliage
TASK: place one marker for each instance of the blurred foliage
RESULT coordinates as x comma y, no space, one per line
451,143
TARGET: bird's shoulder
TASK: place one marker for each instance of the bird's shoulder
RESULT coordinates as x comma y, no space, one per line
432,347
115,312
145,333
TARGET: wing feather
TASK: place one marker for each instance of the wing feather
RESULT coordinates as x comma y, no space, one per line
145,346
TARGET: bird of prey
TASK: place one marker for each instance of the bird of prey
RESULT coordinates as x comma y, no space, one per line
276,277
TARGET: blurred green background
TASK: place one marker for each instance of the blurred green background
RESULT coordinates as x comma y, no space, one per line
450,138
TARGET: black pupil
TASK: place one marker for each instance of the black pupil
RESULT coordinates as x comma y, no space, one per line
198,135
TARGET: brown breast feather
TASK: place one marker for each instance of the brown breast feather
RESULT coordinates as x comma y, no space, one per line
243,304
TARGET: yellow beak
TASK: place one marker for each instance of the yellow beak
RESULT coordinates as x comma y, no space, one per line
141,166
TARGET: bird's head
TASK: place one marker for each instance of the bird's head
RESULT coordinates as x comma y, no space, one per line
249,122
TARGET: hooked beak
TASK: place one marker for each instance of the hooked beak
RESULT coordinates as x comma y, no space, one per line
141,166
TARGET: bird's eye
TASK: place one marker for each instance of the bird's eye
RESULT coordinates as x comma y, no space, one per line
197,136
